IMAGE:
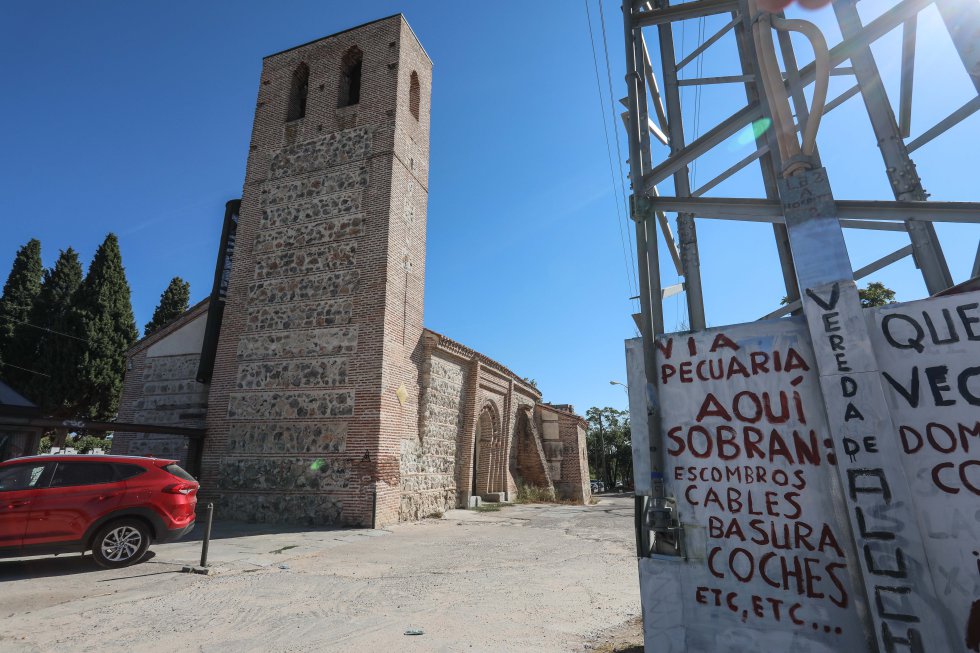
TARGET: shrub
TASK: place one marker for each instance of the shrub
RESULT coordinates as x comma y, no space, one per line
533,494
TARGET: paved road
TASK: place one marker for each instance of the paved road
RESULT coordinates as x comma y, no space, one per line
527,578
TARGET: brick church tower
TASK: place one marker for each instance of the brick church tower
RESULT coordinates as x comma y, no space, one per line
316,375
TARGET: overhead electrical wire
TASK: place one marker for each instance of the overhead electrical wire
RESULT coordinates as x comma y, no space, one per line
17,367
57,333
630,274
615,128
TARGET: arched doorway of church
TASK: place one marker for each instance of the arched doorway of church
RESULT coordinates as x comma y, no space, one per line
487,455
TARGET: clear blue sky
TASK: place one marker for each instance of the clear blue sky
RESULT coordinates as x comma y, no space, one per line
135,118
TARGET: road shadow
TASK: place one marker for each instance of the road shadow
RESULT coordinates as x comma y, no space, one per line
61,565
226,528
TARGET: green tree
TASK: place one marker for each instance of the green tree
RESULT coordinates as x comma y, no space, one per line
876,294
58,338
23,285
609,445
106,315
174,302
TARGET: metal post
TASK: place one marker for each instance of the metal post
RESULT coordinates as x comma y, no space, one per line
769,162
651,300
207,535
962,18
686,231
905,181
872,477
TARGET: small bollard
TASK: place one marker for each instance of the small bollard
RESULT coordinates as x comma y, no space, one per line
207,536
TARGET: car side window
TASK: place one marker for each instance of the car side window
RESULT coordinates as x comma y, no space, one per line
124,471
68,474
20,477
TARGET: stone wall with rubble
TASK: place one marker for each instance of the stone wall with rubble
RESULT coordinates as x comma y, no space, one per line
563,439
457,384
160,388
428,464
316,372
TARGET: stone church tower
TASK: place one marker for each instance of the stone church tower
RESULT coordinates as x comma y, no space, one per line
305,390
316,375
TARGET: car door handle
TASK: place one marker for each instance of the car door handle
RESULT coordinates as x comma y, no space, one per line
18,504
103,497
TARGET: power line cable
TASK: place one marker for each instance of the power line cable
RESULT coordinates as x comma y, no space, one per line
630,275
58,333
619,152
24,369
697,100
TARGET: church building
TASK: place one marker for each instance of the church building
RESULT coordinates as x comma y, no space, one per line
320,396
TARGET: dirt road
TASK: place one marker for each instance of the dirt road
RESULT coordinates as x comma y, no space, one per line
527,578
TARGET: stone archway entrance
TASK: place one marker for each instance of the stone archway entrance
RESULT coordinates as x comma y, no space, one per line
489,461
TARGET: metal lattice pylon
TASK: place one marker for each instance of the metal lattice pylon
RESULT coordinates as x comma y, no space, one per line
792,175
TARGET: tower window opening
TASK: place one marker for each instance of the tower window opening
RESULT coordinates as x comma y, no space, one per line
414,95
298,92
350,78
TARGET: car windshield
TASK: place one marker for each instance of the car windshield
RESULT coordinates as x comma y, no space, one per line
20,477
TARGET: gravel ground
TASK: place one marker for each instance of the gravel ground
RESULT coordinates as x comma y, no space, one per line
526,578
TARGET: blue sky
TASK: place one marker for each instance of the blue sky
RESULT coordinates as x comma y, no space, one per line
135,118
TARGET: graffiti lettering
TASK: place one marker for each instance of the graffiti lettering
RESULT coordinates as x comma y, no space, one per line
726,368
795,535
905,332
937,377
803,575
743,475
735,501
729,443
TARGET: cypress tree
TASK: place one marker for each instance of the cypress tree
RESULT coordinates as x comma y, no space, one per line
106,314
58,343
23,285
174,302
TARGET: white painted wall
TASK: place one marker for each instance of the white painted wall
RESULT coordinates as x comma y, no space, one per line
185,340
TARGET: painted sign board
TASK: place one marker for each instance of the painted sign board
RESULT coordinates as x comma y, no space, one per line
749,461
929,355
771,557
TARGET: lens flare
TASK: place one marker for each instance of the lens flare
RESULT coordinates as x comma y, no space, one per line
753,131
316,464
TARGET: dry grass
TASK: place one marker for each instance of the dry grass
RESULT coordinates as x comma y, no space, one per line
532,494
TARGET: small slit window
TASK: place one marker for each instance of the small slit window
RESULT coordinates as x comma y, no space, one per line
414,95
350,78
298,92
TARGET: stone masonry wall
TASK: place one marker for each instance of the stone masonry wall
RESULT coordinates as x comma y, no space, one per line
324,309
574,483
161,390
428,464
530,465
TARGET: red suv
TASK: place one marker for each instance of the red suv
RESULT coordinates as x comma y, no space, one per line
113,505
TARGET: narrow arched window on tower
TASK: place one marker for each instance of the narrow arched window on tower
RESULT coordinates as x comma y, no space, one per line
298,92
414,95
350,78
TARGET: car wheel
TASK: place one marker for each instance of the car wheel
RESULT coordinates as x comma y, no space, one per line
121,543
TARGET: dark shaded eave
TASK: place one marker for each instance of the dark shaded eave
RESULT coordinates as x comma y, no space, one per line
14,404
10,397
